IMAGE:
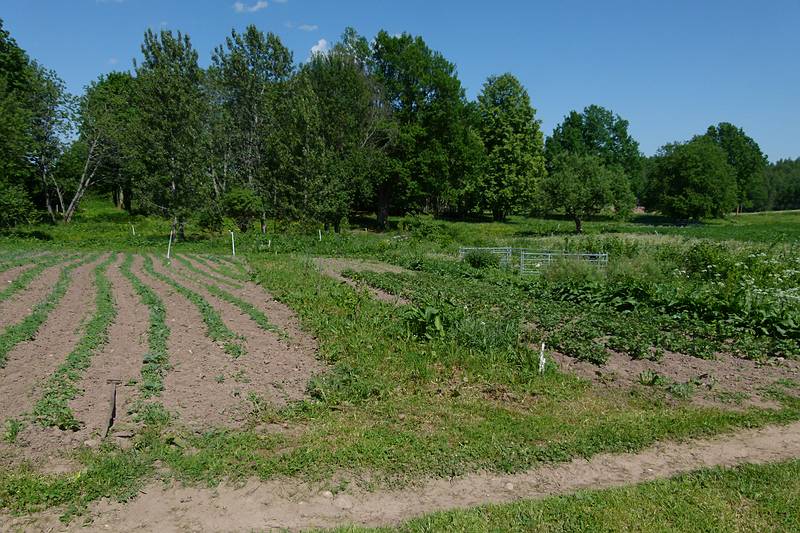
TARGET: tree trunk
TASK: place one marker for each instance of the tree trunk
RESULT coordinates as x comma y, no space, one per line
383,206
263,223
127,196
498,215
578,224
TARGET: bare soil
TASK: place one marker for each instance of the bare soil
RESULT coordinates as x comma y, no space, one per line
273,368
333,267
287,504
120,359
21,304
30,363
9,275
725,380
278,313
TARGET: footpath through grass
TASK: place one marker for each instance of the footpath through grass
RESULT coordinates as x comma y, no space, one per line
754,498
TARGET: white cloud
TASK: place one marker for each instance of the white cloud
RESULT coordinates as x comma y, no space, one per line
308,27
320,48
241,7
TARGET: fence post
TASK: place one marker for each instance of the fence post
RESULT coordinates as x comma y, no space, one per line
233,245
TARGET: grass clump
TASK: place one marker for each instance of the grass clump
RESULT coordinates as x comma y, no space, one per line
155,363
216,329
27,328
52,409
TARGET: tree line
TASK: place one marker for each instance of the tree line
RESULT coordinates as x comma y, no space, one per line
379,126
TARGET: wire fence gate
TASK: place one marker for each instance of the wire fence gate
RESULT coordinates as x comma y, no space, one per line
533,262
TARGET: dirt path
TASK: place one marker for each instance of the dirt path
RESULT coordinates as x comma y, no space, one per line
333,267
8,276
296,506
21,304
274,369
120,359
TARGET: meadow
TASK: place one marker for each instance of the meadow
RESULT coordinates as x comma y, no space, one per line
265,366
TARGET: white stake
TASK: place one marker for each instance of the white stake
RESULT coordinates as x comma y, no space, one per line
233,245
320,234
133,230
169,246
542,360
269,244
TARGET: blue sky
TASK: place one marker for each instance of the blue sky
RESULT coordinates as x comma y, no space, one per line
670,67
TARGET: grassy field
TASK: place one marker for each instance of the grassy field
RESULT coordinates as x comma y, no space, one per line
447,384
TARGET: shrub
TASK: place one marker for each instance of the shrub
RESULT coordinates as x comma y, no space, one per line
243,206
482,259
15,206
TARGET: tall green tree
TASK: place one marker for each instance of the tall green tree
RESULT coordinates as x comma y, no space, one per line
748,162
598,131
427,104
15,126
514,145
251,69
783,182
692,180
172,105
581,185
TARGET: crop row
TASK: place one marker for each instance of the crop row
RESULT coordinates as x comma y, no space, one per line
216,329
27,328
52,409
155,363
25,278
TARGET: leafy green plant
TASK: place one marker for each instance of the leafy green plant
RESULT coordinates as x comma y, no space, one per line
481,259
155,363
650,378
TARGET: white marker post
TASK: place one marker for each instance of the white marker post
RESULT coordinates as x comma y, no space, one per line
169,246
233,245
320,234
542,360
133,230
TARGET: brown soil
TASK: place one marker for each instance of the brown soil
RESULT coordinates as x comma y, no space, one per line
727,379
295,506
277,371
30,363
333,267
11,274
21,304
120,359
278,314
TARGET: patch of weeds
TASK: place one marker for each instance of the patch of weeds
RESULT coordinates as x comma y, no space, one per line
12,429
151,414
220,379
651,378
53,409
216,329
241,377
732,397
27,328
155,363
682,391
222,266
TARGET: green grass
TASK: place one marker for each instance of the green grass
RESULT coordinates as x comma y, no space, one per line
155,363
216,329
747,498
27,328
232,269
52,409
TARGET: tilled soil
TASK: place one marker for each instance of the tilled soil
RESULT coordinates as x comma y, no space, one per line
21,304
333,267
292,505
120,359
280,315
8,276
30,363
277,371
725,380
